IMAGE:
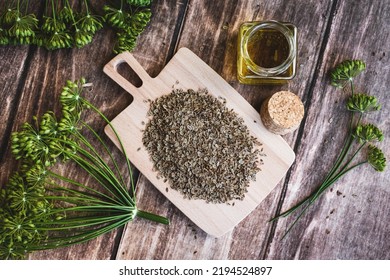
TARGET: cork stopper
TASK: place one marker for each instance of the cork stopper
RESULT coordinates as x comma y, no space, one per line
282,113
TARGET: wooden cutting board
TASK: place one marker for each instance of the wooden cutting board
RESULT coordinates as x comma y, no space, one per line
188,71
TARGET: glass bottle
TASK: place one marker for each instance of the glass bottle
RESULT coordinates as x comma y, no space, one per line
266,52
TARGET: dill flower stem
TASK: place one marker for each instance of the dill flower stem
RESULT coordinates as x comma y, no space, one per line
71,14
152,217
110,175
95,166
294,208
297,218
62,211
27,2
77,198
80,222
327,183
121,182
341,157
311,199
86,6
65,179
342,77
103,179
332,178
339,160
54,14
93,150
79,236
351,85
107,150
119,140
353,156
347,144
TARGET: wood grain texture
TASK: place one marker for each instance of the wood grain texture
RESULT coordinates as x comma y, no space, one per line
33,76
249,240
46,76
13,70
349,222
357,32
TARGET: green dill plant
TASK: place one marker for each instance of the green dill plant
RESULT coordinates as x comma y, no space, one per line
41,207
64,25
17,26
64,28
128,22
360,135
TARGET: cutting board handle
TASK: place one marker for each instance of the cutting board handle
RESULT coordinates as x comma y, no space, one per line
111,69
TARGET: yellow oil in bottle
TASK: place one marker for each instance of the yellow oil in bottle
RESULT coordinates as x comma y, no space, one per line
266,52
268,48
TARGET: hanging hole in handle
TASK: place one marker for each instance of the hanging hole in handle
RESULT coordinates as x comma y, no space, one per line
129,74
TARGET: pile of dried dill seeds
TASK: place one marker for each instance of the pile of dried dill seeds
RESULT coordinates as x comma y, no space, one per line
200,146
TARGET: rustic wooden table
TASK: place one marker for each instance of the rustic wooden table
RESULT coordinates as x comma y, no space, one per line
350,221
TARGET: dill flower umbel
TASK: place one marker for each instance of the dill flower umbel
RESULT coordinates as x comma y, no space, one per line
41,209
64,26
358,137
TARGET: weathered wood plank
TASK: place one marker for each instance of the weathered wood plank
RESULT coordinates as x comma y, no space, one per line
350,222
106,95
210,30
11,72
14,63
46,77
32,83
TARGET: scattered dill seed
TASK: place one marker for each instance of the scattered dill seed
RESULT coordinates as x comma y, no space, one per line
138,149
201,147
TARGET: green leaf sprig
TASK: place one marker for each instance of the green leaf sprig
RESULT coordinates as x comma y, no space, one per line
63,27
360,135
41,208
